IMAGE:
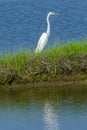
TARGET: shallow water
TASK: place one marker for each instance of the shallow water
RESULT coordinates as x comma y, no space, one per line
44,108
23,21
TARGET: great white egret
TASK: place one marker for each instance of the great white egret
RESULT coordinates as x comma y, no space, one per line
44,37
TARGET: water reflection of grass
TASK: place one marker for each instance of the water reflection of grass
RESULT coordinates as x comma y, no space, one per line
61,94
65,60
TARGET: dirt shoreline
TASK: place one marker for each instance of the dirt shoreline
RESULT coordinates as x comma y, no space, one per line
68,68
62,84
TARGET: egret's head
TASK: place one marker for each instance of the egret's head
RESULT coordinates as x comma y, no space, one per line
53,13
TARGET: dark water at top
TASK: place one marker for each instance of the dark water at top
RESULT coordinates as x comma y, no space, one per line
23,21
44,108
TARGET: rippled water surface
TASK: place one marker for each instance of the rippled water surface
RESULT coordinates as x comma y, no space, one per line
23,21
44,108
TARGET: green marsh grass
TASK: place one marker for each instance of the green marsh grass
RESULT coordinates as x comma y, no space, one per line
18,60
71,47
27,64
14,61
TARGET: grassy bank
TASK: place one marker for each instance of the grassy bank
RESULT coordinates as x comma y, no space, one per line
65,62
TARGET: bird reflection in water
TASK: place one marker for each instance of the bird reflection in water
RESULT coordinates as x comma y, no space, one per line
50,117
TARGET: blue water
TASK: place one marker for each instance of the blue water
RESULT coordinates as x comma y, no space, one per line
41,108
23,21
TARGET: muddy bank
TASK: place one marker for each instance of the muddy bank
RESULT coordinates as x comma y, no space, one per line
72,67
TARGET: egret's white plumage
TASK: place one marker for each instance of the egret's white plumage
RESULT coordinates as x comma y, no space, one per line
42,42
45,36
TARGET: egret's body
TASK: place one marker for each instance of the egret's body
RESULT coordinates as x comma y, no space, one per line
42,42
45,36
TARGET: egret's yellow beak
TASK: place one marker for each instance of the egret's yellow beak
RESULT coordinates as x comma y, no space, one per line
56,13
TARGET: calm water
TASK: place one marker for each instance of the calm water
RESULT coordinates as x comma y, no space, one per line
44,108
23,21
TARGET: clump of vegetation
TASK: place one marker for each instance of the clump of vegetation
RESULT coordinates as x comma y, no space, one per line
65,62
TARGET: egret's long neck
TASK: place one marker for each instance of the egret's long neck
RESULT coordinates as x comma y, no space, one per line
48,25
